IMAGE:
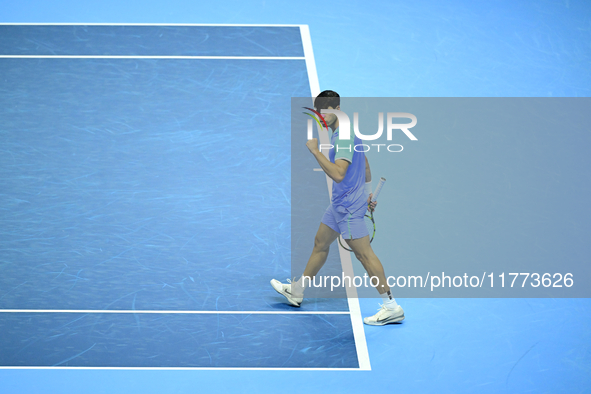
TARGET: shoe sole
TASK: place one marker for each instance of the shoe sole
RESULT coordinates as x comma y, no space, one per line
396,319
284,294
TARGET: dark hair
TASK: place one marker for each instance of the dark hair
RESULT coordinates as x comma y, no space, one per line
328,98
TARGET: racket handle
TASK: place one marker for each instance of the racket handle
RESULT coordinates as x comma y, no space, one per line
376,193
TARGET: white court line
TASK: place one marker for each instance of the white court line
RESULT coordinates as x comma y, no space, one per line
150,57
153,57
190,369
179,312
346,263
310,62
148,24
98,311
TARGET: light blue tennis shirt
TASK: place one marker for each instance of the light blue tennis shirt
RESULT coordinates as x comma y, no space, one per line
349,195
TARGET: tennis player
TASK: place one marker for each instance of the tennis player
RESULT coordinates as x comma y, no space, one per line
351,196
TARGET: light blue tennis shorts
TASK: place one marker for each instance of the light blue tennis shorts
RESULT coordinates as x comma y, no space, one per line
349,225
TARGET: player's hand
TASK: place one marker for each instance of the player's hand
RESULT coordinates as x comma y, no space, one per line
371,206
312,145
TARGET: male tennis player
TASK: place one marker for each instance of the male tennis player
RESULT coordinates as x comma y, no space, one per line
351,174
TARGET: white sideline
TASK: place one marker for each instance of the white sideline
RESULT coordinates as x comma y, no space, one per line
346,263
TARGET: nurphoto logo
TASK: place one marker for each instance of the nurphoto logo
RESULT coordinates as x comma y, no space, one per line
345,128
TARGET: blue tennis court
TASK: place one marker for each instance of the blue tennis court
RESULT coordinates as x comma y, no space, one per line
142,209
145,201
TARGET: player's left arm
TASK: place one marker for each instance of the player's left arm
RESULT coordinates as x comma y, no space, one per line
371,206
367,171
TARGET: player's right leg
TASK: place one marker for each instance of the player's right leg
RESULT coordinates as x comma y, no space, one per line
325,236
294,292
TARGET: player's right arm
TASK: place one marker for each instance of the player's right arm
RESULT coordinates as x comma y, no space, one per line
336,171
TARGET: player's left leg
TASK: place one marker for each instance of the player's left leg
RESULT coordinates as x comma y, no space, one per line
325,236
390,312
294,291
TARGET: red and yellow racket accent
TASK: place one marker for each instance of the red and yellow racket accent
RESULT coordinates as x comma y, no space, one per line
315,118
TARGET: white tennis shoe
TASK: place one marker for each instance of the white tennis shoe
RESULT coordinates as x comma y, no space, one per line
286,291
385,316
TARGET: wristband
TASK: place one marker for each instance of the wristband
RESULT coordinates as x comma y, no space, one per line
368,188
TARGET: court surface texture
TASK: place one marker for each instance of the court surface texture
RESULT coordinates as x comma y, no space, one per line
145,194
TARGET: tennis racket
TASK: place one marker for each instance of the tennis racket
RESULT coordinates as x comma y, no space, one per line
368,219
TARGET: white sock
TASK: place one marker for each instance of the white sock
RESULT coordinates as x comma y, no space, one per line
389,301
298,286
